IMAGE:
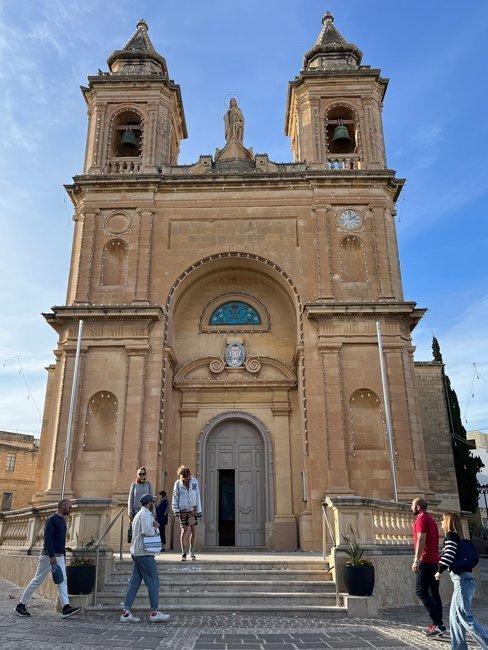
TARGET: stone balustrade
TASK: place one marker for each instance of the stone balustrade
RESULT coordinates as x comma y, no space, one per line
22,530
123,166
343,162
376,524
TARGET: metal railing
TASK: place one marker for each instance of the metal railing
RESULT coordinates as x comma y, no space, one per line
333,551
100,540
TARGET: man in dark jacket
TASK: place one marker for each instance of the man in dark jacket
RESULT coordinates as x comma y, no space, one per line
51,555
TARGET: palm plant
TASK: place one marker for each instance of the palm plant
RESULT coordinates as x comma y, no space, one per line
354,550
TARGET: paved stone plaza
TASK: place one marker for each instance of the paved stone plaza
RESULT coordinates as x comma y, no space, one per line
45,629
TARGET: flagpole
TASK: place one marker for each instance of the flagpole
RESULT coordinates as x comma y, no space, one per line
384,382
71,408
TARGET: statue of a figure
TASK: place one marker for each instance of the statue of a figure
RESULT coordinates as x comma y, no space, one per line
234,122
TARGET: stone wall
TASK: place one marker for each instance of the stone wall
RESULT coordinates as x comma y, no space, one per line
19,480
436,431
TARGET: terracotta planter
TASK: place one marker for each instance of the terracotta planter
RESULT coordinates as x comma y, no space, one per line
359,580
81,579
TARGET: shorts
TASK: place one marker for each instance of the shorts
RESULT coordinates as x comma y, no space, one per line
187,519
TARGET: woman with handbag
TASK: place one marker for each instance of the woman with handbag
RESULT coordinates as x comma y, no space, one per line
461,619
145,543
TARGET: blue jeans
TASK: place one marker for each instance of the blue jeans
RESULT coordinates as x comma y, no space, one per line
461,618
144,567
427,589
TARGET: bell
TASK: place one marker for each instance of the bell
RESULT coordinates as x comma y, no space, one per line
128,144
341,135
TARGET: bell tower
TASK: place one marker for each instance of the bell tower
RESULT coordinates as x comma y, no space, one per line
334,106
135,112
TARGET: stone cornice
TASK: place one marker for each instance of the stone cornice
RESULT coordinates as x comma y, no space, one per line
287,175
70,314
374,310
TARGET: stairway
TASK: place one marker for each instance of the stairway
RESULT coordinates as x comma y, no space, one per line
225,584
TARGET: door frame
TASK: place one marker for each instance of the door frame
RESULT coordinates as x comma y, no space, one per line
241,416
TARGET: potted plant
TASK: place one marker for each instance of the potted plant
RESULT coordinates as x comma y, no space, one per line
358,572
81,571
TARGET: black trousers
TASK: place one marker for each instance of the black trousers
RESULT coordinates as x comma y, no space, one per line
162,534
427,589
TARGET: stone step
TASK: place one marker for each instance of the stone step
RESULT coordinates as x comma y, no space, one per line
258,601
173,560
183,584
315,611
200,573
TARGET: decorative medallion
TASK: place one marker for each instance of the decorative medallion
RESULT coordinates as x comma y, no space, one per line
235,355
117,223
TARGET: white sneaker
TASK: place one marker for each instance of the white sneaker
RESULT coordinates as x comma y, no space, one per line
158,617
127,617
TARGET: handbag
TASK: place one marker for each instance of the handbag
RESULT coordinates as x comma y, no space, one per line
129,534
152,543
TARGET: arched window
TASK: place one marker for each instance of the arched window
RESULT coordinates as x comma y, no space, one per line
367,422
114,263
235,312
100,422
353,260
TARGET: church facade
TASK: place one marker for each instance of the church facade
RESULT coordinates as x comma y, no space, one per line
230,307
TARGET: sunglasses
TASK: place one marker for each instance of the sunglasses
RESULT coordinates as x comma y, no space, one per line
141,474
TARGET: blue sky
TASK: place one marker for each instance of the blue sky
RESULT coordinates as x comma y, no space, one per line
435,129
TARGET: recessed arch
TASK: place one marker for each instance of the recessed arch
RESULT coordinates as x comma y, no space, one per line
352,256
100,422
368,431
238,259
115,259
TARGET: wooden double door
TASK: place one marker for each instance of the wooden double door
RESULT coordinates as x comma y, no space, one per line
235,485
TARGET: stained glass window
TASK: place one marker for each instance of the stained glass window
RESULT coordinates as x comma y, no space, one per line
235,313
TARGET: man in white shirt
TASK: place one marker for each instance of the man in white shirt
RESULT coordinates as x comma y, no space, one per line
144,565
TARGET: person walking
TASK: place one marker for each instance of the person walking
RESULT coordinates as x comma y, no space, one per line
52,555
162,517
144,565
425,564
187,508
140,487
461,619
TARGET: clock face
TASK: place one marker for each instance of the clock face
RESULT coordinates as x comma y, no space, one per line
350,220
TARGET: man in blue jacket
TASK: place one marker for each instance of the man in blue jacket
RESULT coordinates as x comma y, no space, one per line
52,554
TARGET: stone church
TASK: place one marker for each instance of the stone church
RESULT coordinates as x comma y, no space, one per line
230,309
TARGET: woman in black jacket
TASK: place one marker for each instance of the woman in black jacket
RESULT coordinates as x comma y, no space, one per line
461,618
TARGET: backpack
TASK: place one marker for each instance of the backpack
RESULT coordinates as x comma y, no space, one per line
466,557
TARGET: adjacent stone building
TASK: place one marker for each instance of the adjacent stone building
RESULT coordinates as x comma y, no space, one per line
230,307
18,462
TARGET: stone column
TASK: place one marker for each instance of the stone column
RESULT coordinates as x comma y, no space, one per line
285,527
189,412
336,442
132,451
85,266
382,253
144,256
324,248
